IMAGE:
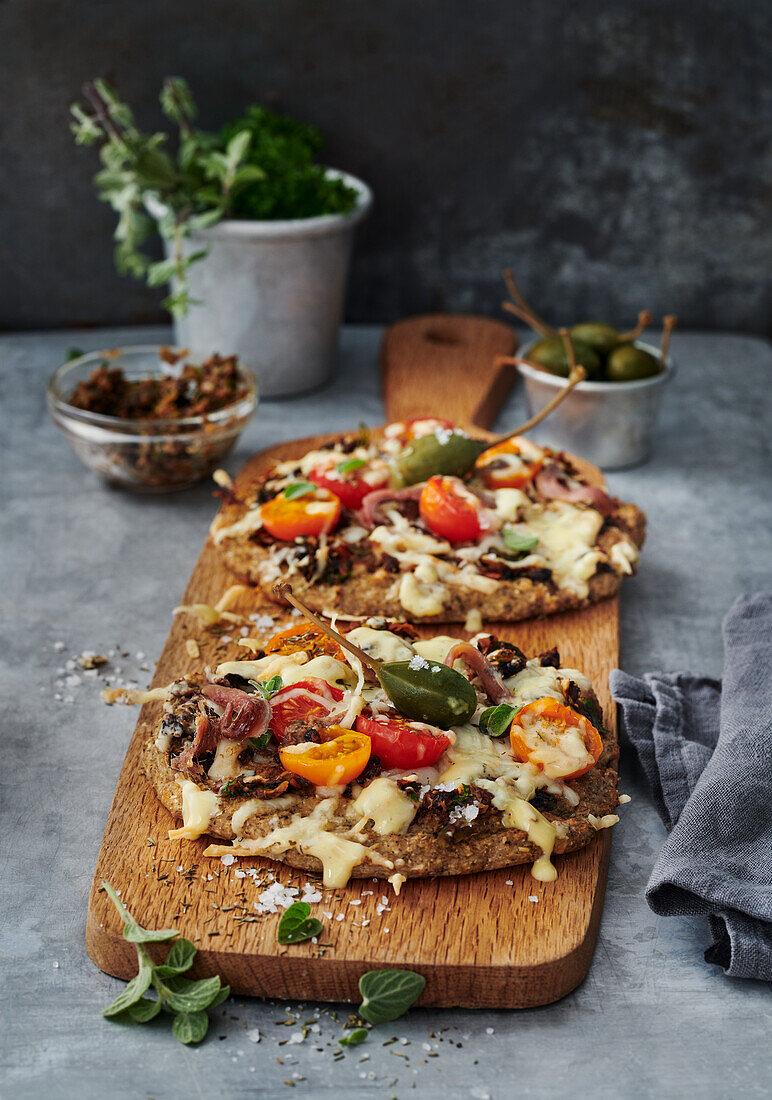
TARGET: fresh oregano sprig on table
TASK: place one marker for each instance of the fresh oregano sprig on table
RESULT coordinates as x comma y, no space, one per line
186,1000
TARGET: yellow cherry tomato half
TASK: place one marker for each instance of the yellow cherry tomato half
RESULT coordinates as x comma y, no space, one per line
333,763
509,465
555,739
310,515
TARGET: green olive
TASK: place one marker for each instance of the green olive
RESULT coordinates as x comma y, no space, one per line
629,364
449,453
550,353
597,335
436,693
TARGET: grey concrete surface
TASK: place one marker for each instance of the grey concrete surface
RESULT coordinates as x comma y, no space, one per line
616,153
84,566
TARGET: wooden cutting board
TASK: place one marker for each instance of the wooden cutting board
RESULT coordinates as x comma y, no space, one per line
497,939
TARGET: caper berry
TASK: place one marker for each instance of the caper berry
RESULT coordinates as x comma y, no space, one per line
436,694
451,454
550,353
629,364
597,335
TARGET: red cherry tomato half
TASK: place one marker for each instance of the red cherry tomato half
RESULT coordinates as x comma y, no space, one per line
307,699
350,488
310,515
401,744
450,510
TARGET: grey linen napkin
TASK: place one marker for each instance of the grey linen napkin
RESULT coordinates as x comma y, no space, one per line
706,748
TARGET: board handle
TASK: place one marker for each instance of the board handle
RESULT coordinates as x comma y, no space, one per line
444,364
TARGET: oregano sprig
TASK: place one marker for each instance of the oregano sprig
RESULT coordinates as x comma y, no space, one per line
186,1000
260,166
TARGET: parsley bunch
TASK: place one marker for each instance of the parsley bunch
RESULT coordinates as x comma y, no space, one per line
186,1000
259,167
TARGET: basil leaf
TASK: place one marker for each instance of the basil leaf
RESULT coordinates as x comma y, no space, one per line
354,1038
133,991
296,925
223,995
350,464
388,994
495,721
190,1027
144,1010
179,959
196,995
518,541
299,489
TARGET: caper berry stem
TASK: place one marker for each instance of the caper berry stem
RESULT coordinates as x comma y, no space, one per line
669,322
520,307
644,320
283,591
577,375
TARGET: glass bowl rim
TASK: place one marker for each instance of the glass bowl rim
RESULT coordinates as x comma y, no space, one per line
56,402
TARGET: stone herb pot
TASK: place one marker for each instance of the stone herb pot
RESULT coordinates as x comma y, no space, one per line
272,293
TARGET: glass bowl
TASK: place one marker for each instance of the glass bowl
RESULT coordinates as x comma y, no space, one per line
147,455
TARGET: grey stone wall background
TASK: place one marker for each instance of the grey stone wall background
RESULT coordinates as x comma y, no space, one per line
616,154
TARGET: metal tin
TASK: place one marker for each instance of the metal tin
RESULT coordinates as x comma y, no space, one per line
609,423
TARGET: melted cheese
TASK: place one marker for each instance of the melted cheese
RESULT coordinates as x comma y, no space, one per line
421,596
519,814
624,556
226,760
566,544
510,503
308,835
405,543
291,667
381,644
389,808
248,524
260,806
437,649
198,809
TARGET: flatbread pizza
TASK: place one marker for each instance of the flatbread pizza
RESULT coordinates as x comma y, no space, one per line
298,752
423,523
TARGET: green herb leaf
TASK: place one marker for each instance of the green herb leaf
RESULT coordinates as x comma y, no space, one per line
388,994
223,995
350,464
354,1038
269,688
495,721
133,991
299,489
135,933
518,541
261,742
195,996
73,353
179,959
144,1010
190,1027
296,925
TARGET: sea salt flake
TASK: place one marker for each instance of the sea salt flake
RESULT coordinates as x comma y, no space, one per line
227,860
532,897
417,662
